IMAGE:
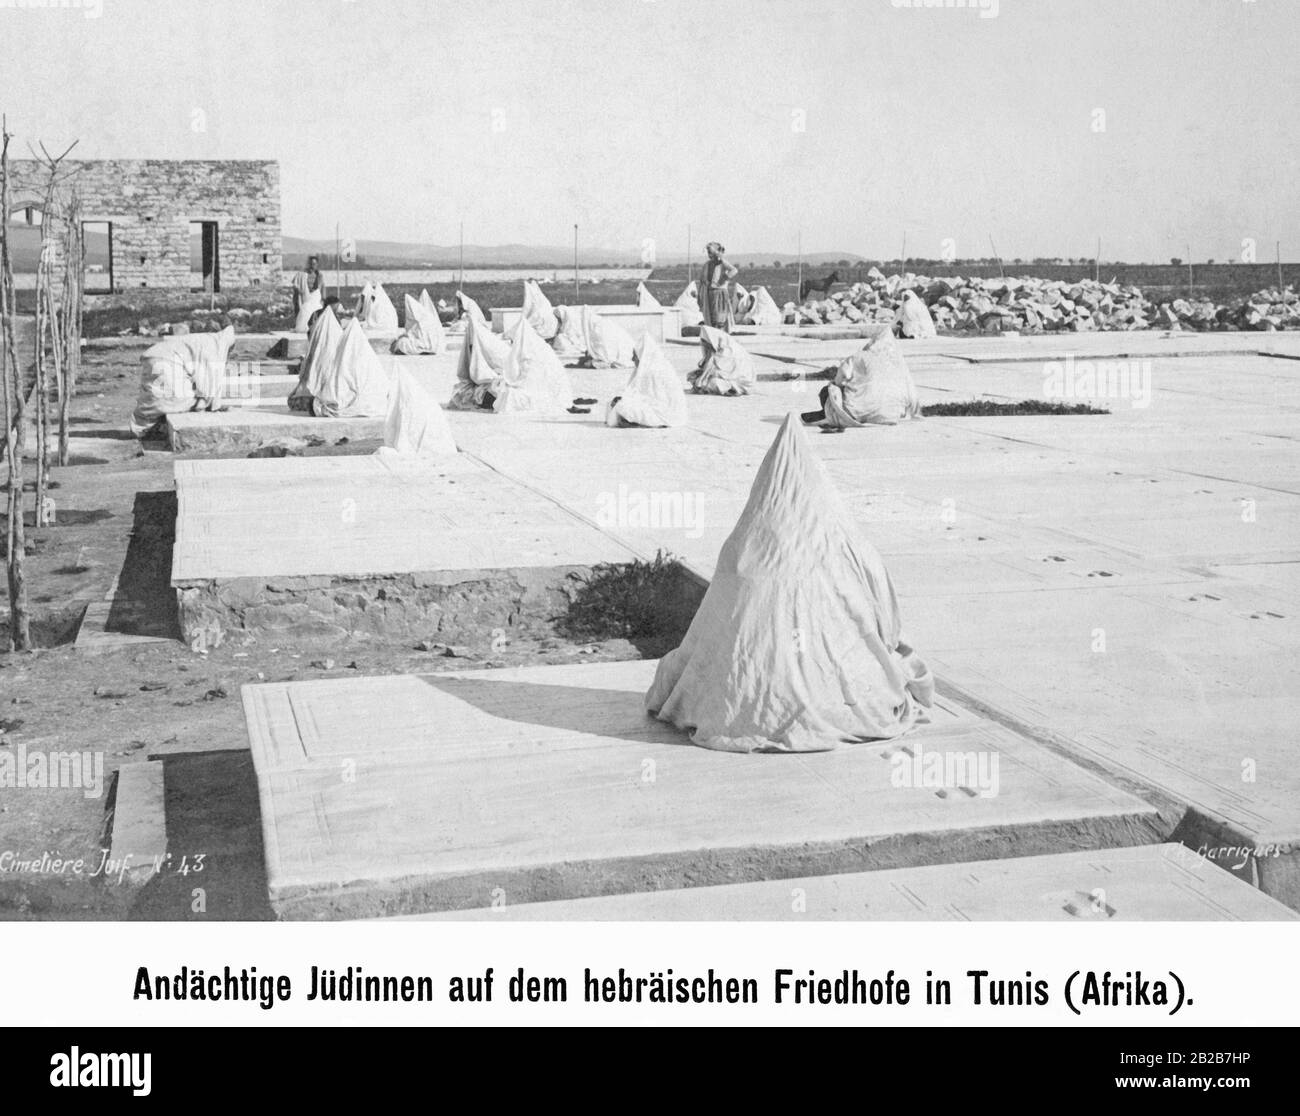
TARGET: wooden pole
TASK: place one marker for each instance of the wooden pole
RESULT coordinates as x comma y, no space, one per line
575,266
1279,266
461,282
799,257
690,260
996,256
20,634
1191,278
1096,263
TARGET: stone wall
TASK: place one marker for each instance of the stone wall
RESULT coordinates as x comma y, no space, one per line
152,203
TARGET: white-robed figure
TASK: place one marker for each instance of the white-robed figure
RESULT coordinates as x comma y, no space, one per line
423,333
797,645
469,308
365,297
569,342
181,374
688,302
308,304
726,368
415,425
645,300
478,372
763,310
322,348
532,378
382,315
356,385
871,387
539,311
913,317
654,395
608,344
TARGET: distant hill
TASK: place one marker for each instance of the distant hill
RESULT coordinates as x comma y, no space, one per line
391,254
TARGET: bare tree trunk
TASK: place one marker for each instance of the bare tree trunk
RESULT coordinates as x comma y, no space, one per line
11,378
42,377
73,265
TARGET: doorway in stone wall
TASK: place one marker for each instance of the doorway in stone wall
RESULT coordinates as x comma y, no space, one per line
205,257
97,236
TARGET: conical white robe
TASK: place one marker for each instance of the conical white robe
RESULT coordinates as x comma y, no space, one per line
416,425
645,300
797,645
727,367
423,333
873,386
539,311
482,361
382,316
570,342
311,302
688,302
914,317
763,310
469,308
356,386
364,298
532,378
608,344
654,395
322,349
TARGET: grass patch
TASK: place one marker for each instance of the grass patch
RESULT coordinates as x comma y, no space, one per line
628,600
982,407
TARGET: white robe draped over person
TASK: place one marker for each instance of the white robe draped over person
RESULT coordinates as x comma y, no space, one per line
423,333
478,372
913,317
364,298
533,379
873,386
569,342
356,385
308,304
645,300
726,367
607,344
322,348
741,300
415,425
382,316
763,310
688,302
654,395
469,308
181,374
797,645
539,311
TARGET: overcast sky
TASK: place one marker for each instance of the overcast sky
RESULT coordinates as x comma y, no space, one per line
852,121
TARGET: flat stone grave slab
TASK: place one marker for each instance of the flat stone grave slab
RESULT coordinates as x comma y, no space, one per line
402,794
1145,883
375,543
240,430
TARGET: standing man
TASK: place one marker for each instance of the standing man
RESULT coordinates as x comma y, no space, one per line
307,281
714,291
